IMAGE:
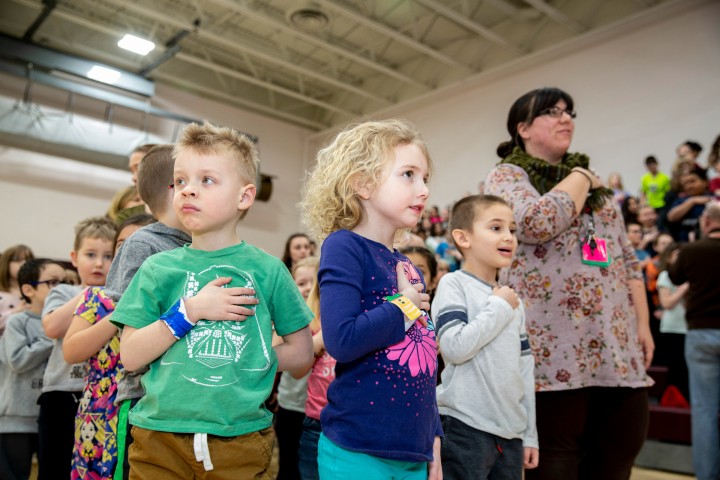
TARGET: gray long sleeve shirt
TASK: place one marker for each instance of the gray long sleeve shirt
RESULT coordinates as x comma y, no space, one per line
24,351
488,380
149,240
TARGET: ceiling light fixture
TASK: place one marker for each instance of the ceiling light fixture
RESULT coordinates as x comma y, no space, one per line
136,44
104,74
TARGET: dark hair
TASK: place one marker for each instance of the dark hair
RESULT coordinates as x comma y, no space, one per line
526,109
140,219
427,254
665,255
30,271
286,259
650,160
699,171
12,254
464,211
630,224
694,146
628,216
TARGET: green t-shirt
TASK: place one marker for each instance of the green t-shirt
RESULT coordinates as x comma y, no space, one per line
216,378
655,188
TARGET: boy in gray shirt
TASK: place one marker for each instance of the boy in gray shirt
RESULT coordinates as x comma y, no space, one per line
487,395
24,352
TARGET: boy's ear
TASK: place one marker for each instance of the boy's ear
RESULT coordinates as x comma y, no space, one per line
461,238
73,258
247,197
27,290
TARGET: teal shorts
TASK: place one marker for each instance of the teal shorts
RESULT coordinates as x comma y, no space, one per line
336,463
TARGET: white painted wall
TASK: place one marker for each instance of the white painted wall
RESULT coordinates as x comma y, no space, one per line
42,196
638,90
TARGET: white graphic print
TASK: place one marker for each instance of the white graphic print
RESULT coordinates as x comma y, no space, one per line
216,353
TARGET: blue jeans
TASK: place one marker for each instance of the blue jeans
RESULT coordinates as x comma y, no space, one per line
308,451
702,354
470,453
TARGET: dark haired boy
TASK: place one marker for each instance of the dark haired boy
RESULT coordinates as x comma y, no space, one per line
482,338
24,351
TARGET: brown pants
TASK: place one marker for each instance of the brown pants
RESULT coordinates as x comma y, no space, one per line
155,455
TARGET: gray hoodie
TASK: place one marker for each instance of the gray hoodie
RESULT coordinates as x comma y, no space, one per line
149,240
60,375
24,351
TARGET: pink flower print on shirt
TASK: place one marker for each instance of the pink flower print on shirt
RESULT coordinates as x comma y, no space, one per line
418,350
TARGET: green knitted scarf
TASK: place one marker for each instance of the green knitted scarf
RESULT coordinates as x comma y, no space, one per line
544,176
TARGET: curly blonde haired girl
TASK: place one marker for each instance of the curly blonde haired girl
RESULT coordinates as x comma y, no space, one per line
368,184
353,160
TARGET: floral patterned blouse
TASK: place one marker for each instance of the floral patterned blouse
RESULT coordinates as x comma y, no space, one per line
580,318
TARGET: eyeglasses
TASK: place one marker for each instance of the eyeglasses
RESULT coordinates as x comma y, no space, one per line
50,283
556,112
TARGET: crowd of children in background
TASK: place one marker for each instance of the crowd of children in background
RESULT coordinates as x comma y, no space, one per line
221,316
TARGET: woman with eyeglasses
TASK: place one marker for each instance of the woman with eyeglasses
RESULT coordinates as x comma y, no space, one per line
583,294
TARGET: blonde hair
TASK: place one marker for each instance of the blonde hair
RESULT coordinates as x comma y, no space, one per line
94,227
209,139
120,200
313,300
355,157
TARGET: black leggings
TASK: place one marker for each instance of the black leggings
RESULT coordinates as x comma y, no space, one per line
56,429
16,451
288,428
590,434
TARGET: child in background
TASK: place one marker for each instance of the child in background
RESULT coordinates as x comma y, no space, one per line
130,226
92,338
381,420
10,300
482,337
673,325
424,260
292,392
63,383
24,350
651,274
321,375
211,367
635,235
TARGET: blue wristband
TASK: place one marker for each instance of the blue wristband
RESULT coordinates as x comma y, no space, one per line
176,320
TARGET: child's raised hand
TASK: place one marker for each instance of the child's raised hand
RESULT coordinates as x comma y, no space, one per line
215,302
414,293
507,294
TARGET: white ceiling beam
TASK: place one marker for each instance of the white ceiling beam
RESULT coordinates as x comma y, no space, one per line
260,83
206,64
239,47
239,101
390,72
556,15
475,27
396,35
